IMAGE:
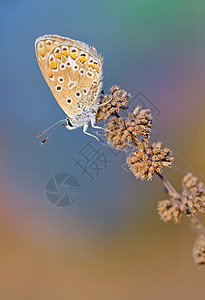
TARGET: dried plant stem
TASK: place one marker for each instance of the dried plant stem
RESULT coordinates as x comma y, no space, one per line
170,189
198,226
131,133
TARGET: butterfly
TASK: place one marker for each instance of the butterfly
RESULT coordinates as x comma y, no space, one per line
73,72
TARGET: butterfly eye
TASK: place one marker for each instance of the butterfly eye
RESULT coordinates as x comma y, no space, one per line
77,94
57,53
89,74
65,51
41,48
83,57
49,45
73,53
62,66
69,101
59,88
82,71
60,79
85,91
94,82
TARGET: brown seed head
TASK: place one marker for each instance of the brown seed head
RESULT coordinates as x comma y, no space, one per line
122,132
115,100
139,122
193,195
117,134
148,159
199,250
169,210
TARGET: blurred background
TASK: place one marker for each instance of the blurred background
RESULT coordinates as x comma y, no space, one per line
110,244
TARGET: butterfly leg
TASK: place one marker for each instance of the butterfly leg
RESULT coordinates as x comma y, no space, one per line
85,127
94,126
98,127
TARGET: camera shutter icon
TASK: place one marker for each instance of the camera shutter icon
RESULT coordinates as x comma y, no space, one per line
62,189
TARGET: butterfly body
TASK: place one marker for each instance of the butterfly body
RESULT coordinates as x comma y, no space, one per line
73,71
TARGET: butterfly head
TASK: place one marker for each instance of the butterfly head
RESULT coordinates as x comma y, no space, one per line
69,124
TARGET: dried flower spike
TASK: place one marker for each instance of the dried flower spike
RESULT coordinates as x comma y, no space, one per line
139,122
199,250
148,159
117,134
132,133
193,195
169,210
111,103
122,132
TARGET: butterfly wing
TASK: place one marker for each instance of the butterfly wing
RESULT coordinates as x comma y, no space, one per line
72,70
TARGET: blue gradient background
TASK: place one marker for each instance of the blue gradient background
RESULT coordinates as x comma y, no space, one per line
111,243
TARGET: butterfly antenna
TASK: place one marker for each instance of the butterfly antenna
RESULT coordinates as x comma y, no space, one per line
50,128
52,132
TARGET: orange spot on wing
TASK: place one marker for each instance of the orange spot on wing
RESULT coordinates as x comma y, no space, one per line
94,66
82,59
41,48
41,52
50,73
49,45
58,55
73,55
48,48
65,53
53,64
